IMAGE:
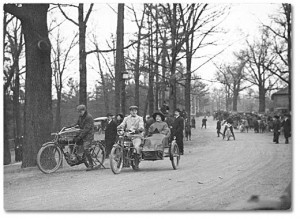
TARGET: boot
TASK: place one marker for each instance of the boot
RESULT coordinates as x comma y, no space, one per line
90,160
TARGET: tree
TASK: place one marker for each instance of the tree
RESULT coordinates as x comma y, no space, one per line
38,103
282,46
120,65
260,58
60,62
82,25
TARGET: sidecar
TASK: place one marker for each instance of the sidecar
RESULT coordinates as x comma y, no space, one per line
157,147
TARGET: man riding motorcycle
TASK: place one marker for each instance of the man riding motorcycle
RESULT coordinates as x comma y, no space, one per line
135,125
86,135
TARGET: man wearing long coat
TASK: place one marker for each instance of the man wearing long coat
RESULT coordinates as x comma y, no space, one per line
177,130
110,133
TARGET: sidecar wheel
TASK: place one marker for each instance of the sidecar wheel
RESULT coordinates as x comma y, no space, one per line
116,159
174,155
49,158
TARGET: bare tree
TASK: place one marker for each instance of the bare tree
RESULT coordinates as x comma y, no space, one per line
260,58
38,103
282,46
60,62
82,25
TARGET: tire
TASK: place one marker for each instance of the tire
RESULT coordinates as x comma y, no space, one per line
98,154
49,158
116,159
174,155
135,163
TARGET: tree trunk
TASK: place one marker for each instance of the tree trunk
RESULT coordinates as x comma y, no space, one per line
119,59
289,56
57,114
163,63
151,72
235,100
262,99
172,95
7,155
38,99
17,116
82,57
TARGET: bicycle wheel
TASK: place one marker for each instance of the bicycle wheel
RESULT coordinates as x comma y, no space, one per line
116,159
174,155
98,154
49,158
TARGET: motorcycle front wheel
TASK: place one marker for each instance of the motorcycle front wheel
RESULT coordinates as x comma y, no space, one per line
49,158
116,159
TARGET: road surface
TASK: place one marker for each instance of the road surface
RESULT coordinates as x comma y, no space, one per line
213,174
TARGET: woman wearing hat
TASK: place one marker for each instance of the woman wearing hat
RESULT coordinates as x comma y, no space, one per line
159,126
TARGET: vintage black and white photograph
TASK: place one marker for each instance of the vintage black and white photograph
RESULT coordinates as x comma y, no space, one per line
155,107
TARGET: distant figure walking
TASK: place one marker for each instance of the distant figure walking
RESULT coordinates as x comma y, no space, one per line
204,120
219,127
188,133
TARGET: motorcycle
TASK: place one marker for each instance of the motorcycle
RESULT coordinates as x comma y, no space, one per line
124,154
51,154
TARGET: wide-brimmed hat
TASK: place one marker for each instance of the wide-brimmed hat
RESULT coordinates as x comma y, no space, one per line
133,107
160,114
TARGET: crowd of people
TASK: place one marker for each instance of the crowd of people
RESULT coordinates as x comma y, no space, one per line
259,123
160,122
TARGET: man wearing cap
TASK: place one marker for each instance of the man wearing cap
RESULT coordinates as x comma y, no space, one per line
134,124
110,133
86,135
177,130
276,128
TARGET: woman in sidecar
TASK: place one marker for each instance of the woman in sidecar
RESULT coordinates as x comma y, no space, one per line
157,139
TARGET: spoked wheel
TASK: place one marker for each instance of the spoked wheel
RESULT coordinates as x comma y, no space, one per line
174,155
116,159
98,154
49,158
135,162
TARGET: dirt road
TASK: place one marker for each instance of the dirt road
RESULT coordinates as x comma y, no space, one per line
213,174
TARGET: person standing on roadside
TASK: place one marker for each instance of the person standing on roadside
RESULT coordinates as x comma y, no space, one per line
177,130
110,133
219,126
119,118
276,128
286,124
204,120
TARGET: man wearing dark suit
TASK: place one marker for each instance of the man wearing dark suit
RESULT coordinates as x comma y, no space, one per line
286,124
276,128
177,130
110,133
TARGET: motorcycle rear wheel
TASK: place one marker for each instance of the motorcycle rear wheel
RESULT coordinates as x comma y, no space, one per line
49,158
116,159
